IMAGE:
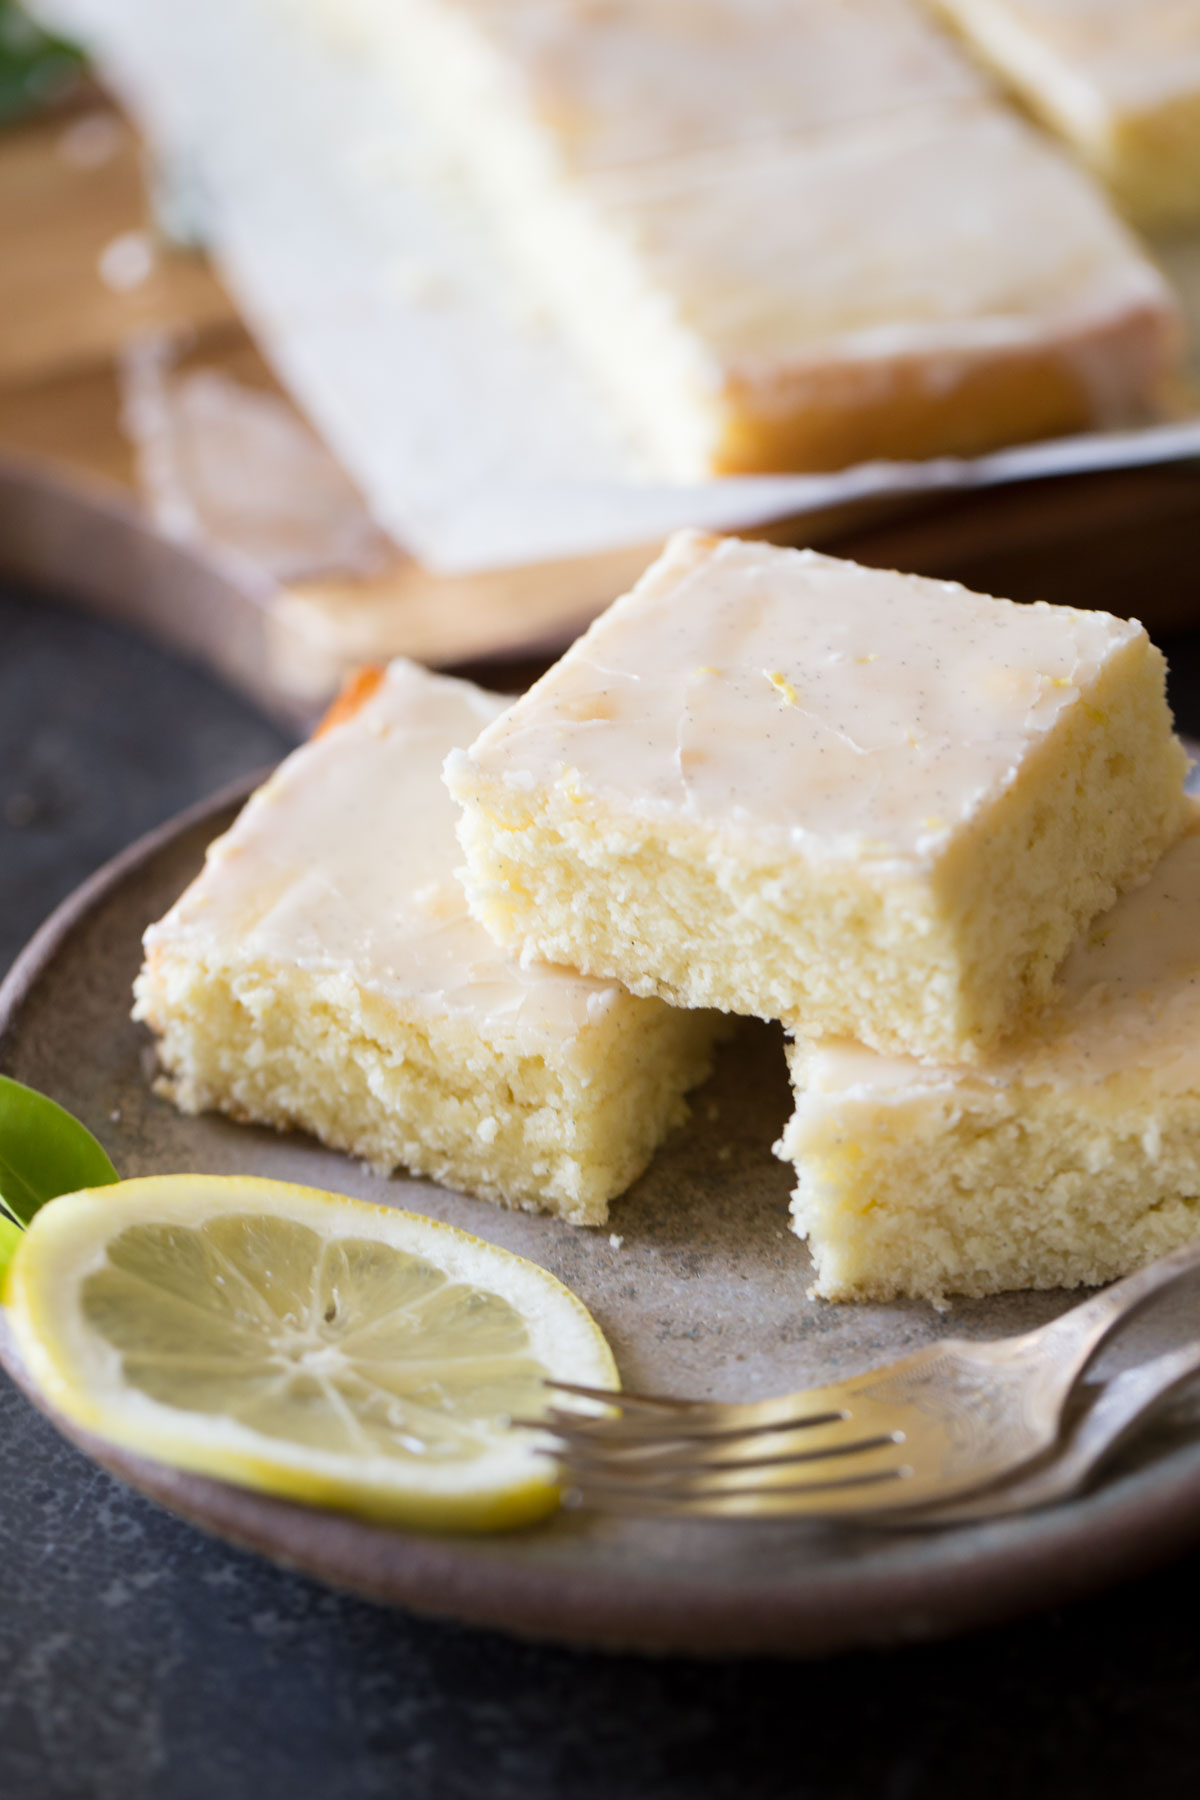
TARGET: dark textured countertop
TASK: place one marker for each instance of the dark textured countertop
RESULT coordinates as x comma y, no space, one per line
141,1661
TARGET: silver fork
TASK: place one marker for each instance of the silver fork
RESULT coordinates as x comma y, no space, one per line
934,1427
1108,1417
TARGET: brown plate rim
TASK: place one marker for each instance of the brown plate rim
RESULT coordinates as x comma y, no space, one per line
1131,1526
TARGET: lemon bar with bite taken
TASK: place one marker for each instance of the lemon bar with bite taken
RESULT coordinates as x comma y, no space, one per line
865,803
323,972
1071,1157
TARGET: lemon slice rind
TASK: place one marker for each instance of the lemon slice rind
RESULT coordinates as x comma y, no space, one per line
510,1482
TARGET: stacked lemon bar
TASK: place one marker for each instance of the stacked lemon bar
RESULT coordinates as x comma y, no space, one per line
883,809
323,972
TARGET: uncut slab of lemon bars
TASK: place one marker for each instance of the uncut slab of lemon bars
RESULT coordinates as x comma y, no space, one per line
942,837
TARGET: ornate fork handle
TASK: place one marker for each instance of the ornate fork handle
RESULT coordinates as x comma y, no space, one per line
995,1400
1076,1337
1116,1412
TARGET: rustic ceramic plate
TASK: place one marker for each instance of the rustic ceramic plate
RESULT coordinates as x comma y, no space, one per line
701,1290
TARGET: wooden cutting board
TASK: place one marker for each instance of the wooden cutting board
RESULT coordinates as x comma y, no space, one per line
71,187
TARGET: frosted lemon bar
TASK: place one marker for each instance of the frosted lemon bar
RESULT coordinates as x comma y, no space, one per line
1120,78
918,285
1071,1158
323,972
785,234
866,803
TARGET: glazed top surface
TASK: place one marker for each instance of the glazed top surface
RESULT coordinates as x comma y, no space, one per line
343,865
615,82
793,704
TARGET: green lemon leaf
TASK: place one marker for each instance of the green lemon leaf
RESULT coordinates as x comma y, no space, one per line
35,65
43,1152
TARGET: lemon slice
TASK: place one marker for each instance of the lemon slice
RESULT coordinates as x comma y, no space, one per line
303,1344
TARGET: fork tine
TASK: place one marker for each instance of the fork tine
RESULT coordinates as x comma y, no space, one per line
874,1490
622,1398
656,1407
635,1431
576,1436
699,1420
583,1428
782,1411
672,1463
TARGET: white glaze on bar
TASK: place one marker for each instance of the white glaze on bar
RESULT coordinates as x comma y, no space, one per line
796,702
343,863
1130,1006
624,81
918,233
